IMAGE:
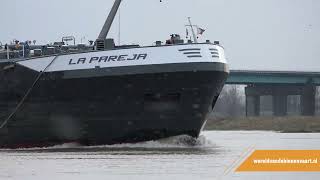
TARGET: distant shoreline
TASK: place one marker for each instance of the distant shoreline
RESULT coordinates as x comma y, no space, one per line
279,124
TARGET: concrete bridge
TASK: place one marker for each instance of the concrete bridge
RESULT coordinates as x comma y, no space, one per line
279,85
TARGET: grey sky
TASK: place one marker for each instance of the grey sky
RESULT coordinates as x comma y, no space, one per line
257,34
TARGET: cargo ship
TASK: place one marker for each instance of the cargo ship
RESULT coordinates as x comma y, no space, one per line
106,94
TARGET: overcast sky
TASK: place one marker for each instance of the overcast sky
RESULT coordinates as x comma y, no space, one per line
256,34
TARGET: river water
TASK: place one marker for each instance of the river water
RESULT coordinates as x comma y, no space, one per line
215,156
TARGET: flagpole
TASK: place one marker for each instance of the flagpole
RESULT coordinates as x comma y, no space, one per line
193,33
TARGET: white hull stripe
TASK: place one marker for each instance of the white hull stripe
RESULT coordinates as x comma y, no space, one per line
129,57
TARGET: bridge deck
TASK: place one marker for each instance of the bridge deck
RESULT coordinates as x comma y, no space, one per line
273,77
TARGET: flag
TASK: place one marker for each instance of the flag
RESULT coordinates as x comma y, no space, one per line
200,30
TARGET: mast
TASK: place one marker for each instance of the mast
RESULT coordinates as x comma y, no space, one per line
107,25
193,33
119,29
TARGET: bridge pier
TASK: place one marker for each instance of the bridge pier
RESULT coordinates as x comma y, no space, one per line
308,100
279,105
280,95
252,105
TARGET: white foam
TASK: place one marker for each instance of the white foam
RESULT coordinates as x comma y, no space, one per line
182,141
65,146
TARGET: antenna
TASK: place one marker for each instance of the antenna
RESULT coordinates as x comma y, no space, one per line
101,40
119,30
107,25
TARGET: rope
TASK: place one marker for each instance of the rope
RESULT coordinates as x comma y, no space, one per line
27,94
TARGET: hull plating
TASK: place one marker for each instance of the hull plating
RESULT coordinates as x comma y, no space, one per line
108,106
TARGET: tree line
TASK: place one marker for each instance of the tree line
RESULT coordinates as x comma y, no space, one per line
232,102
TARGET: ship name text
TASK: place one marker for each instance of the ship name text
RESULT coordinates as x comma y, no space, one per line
104,59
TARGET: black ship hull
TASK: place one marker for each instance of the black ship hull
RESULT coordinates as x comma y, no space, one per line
107,105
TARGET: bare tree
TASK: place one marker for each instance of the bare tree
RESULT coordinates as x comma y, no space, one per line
230,103
318,101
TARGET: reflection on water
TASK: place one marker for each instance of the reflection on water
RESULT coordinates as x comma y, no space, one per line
212,156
